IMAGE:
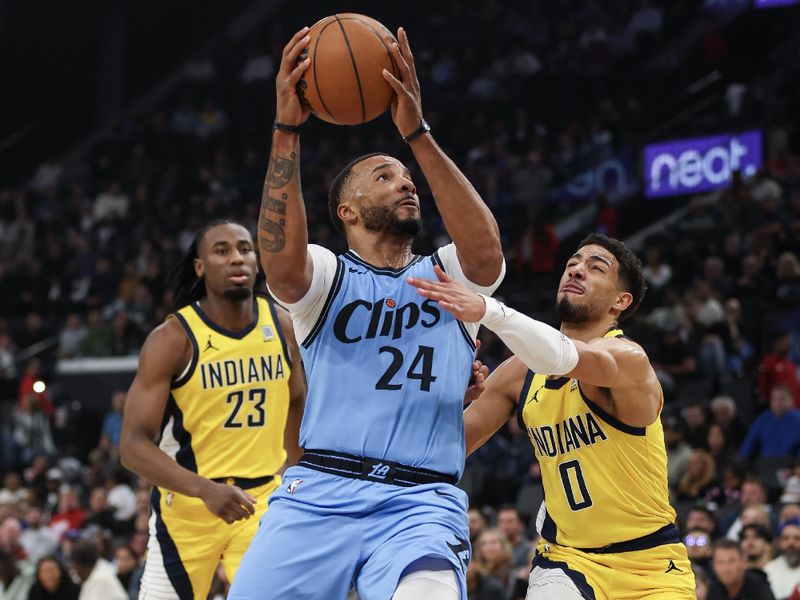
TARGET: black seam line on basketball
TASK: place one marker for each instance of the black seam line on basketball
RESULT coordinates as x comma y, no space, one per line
355,68
395,68
316,84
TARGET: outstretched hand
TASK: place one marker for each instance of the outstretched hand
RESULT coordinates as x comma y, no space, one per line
407,101
453,296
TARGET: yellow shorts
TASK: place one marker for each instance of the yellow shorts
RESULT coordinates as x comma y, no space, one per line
659,573
187,544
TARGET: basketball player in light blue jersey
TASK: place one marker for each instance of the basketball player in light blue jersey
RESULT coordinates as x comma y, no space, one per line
373,501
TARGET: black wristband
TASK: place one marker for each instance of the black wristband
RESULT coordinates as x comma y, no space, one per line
286,127
421,130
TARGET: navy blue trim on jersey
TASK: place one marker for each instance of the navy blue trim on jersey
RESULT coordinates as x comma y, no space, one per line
395,273
578,578
556,383
185,455
661,537
277,323
236,335
173,565
549,527
523,397
338,277
182,379
438,261
611,420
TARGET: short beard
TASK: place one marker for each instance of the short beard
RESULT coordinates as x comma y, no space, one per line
792,559
572,313
381,219
237,294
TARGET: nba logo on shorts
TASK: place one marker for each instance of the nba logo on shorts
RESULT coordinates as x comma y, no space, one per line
267,333
293,486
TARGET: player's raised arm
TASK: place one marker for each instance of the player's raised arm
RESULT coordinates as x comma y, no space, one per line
467,219
164,354
282,228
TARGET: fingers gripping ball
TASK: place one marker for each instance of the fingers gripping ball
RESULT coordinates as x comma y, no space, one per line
344,84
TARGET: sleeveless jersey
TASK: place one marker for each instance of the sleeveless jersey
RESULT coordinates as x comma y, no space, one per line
387,369
604,481
226,414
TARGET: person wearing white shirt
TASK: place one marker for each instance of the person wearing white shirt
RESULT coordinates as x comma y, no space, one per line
783,572
98,576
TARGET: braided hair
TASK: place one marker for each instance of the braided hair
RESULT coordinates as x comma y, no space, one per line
186,286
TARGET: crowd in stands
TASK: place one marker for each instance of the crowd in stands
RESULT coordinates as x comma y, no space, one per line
86,243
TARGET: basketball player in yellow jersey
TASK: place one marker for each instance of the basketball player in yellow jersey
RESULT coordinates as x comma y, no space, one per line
590,402
220,382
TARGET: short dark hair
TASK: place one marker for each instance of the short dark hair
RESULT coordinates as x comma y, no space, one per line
630,269
85,554
726,544
335,193
759,529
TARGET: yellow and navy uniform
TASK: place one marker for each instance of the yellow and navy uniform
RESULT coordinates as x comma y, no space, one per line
606,495
224,420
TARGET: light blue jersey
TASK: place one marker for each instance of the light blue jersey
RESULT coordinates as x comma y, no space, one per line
387,370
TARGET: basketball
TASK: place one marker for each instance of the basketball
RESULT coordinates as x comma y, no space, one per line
344,84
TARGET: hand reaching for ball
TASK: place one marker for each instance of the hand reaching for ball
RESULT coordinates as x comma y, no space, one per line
290,110
407,102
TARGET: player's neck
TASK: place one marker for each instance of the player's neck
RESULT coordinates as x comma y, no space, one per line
586,332
234,315
384,252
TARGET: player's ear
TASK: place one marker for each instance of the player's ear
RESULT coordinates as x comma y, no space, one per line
198,267
347,213
623,301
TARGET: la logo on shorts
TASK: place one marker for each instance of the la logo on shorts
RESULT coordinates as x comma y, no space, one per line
293,486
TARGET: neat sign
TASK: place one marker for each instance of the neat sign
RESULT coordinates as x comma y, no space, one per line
699,164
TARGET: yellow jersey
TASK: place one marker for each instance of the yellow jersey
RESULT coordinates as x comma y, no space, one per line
226,412
604,481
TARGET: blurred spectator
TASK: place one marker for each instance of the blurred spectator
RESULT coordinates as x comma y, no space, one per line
784,571
698,547
697,478
37,540
97,341
721,450
71,337
121,497
787,275
112,203
477,524
12,491
673,360
100,513
775,432
756,543
15,579
776,368
10,534
8,368
69,515
700,517
695,416
97,575
32,433
701,583
752,507
723,411
510,523
112,422
494,553
656,272
733,580
129,570
481,587
52,582
678,451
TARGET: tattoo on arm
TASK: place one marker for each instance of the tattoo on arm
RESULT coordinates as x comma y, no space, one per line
271,236
280,171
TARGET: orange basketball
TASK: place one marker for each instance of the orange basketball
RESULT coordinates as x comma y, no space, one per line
344,84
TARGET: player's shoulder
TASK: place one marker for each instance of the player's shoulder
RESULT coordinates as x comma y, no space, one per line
166,345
